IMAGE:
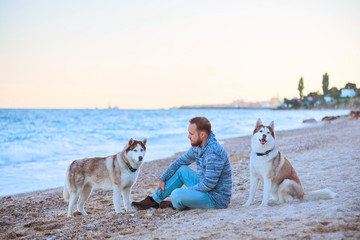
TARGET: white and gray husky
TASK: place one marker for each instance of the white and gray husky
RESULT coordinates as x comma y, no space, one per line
269,166
117,172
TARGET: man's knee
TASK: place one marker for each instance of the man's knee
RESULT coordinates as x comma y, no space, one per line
176,198
176,194
183,169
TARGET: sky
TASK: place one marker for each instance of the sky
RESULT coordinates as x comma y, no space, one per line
160,54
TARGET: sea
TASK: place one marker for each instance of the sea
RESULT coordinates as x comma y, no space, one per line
37,145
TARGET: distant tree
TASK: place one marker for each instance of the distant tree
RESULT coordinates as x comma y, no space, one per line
301,88
334,93
315,95
325,84
350,86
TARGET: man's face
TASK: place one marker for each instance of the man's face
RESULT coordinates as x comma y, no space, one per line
194,135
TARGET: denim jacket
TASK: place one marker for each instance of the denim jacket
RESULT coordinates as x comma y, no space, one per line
213,170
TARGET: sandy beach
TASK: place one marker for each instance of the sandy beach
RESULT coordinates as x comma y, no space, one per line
324,154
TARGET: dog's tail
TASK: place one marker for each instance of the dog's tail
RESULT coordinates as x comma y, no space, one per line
66,193
320,195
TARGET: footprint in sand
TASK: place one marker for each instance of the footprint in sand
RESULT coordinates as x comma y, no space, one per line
43,226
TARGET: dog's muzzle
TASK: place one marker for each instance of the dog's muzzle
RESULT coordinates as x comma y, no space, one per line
263,140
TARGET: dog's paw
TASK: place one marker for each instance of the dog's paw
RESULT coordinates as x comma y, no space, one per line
119,211
275,203
130,210
262,205
247,204
83,213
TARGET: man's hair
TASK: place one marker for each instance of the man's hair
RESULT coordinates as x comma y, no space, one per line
202,124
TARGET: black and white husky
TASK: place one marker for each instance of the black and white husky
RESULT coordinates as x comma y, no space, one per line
117,172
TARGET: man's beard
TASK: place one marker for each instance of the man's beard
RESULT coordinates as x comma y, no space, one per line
196,144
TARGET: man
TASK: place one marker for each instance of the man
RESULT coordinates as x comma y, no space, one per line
209,187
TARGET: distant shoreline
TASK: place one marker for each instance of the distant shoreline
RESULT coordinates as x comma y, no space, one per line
182,108
229,108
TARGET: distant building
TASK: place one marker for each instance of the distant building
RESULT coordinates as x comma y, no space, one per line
347,93
274,102
266,105
329,100
281,105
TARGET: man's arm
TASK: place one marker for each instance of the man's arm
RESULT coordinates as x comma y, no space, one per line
186,159
214,168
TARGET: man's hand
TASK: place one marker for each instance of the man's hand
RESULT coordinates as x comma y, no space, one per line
161,186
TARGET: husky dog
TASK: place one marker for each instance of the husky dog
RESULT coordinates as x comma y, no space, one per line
117,172
270,167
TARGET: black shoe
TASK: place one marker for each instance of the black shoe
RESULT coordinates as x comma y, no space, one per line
147,203
166,204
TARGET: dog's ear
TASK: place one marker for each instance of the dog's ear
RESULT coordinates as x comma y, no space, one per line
144,141
258,122
272,125
131,141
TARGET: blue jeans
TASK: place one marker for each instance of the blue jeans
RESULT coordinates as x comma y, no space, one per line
182,198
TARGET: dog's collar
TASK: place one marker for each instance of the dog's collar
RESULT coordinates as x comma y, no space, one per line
265,153
131,168
128,164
